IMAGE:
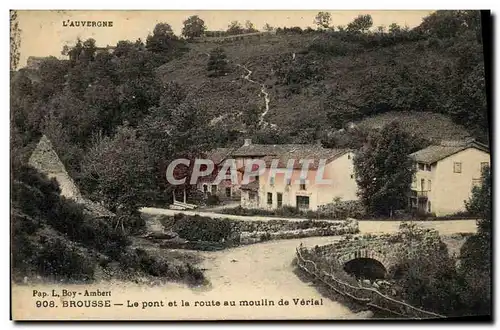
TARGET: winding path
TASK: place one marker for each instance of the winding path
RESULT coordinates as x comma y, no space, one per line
263,91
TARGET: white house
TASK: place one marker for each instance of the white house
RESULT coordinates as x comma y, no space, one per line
446,174
318,187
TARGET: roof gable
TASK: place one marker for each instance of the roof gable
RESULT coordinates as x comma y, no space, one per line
283,153
435,153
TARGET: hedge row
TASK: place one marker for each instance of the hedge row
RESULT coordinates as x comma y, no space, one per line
235,232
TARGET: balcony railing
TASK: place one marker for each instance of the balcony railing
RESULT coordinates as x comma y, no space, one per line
419,194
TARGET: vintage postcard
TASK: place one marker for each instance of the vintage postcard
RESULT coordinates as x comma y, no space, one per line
250,165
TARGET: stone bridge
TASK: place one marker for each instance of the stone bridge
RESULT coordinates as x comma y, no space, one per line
363,252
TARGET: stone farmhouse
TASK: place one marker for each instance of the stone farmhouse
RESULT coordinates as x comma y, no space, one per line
445,175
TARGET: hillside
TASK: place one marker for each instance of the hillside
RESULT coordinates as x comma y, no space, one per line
432,126
55,240
355,78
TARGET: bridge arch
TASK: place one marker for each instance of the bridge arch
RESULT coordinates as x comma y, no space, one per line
365,255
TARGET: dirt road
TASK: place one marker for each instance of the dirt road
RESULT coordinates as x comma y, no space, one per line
264,270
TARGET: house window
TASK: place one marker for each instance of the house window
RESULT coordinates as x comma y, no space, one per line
214,189
205,188
429,185
484,166
272,181
352,176
427,167
302,184
270,198
349,156
457,167
420,166
228,191
422,184
252,195
279,198
429,206
302,202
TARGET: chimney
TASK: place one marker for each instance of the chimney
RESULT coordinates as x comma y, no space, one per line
247,142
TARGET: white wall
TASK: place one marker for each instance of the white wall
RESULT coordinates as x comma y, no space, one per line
452,189
338,171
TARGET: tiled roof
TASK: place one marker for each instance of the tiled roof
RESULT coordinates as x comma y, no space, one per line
436,153
219,154
252,186
285,152
315,153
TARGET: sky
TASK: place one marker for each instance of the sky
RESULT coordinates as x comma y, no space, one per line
43,33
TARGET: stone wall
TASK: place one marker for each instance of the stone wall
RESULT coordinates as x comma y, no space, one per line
258,231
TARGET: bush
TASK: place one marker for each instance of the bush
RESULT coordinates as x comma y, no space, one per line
429,278
334,47
336,210
140,260
213,200
58,259
342,209
196,228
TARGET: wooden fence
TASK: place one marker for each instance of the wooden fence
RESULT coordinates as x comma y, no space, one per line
365,296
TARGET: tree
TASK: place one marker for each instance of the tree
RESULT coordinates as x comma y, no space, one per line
15,40
362,23
394,28
268,28
384,171
480,202
163,41
476,251
323,20
234,28
119,170
193,27
251,116
123,48
449,23
249,27
88,51
425,272
217,63
75,51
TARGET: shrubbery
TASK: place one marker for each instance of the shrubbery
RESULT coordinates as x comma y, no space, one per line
53,237
58,259
197,228
140,260
336,210
204,233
